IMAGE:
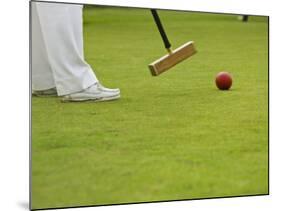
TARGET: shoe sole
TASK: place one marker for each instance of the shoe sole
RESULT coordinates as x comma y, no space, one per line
115,97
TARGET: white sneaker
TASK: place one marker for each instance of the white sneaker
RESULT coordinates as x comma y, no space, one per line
96,93
107,89
47,92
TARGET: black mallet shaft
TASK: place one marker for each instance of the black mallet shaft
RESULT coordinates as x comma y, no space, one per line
161,30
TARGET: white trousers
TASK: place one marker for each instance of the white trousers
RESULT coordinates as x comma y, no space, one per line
57,49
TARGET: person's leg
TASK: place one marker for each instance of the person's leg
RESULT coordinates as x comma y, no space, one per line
77,21
61,26
42,76
245,18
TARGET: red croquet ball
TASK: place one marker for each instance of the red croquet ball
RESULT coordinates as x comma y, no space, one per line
223,80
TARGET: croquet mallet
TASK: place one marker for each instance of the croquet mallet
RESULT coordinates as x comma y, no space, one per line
174,56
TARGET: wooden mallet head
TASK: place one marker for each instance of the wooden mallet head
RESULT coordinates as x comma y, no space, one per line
172,58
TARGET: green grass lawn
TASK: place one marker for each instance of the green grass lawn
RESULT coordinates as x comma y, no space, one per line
169,137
